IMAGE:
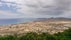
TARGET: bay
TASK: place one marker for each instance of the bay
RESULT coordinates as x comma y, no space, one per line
15,21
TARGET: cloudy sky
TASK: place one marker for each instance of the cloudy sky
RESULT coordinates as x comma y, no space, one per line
35,8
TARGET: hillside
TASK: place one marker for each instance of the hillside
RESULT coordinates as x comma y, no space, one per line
51,26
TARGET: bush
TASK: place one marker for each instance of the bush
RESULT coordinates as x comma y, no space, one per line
66,35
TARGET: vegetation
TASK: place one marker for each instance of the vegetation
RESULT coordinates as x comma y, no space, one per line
66,35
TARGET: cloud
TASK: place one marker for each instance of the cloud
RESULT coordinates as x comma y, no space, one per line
37,8
46,7
7,14
9,6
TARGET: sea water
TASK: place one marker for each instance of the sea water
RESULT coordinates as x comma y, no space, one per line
15,21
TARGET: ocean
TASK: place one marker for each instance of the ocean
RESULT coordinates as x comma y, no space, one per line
15,21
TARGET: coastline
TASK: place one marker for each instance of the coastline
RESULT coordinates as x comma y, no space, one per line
38,27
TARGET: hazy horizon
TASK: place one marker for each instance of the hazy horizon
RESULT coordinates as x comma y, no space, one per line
33,9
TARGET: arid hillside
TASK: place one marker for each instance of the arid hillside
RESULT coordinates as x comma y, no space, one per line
51,26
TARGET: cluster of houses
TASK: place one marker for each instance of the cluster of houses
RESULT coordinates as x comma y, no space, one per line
38,27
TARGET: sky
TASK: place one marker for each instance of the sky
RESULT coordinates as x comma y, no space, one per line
35,8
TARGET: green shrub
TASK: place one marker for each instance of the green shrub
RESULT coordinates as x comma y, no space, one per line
66,35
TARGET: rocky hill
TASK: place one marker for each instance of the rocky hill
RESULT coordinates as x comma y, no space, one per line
51,26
